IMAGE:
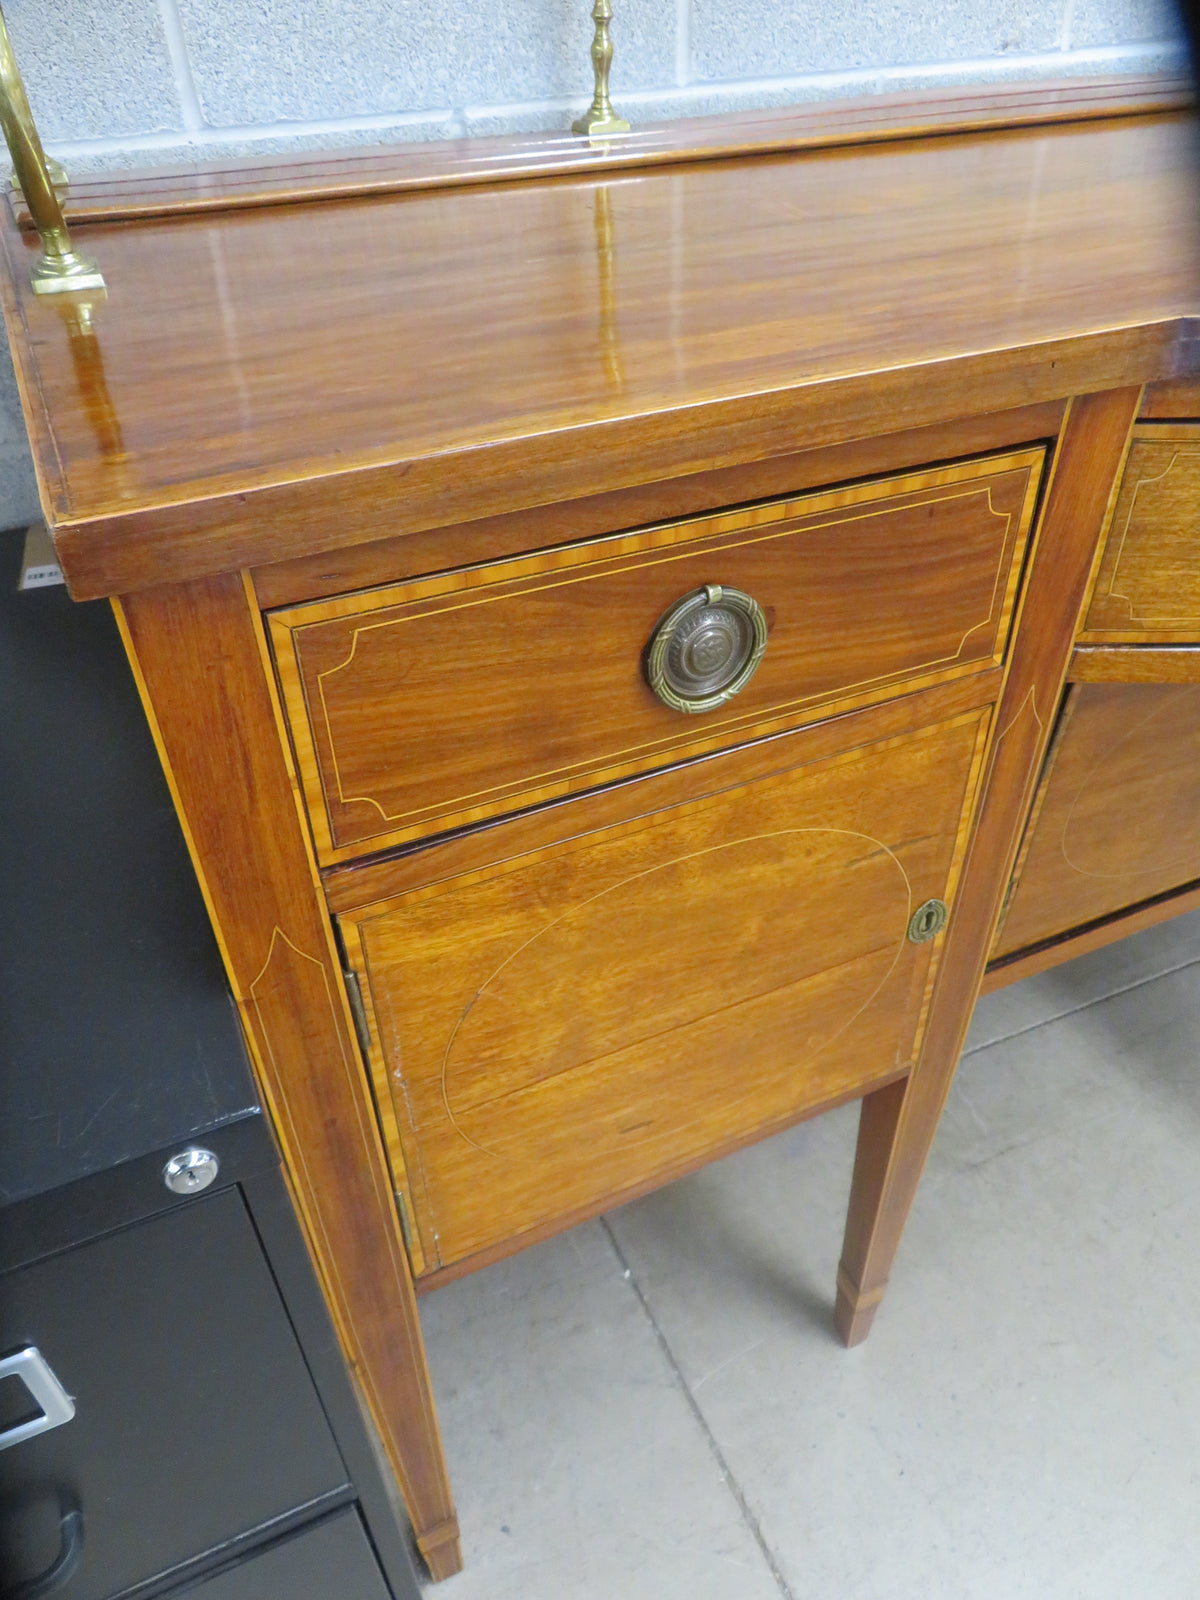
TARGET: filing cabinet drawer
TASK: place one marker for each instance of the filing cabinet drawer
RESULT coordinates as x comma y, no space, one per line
1148,586
332,1559
575,1021
422,706
196,1424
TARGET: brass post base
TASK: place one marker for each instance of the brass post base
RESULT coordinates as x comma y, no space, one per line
65,274
599,127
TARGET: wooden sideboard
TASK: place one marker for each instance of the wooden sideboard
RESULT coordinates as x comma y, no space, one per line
393,466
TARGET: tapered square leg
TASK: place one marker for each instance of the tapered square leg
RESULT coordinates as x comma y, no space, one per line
858,1293
898,1122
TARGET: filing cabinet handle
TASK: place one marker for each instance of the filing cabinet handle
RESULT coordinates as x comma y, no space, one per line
70,1548
706,648
57,1407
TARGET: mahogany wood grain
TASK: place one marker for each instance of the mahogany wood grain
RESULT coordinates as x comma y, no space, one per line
1148,586
306,377
197,655
1146,663
556,1028
1061,721
897,1129
355,884
1120,819
419,554
1173,401
346,392
289,177
1079,942
569,1218
424,706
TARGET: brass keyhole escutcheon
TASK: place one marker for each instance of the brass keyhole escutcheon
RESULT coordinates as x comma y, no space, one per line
706,648
927,921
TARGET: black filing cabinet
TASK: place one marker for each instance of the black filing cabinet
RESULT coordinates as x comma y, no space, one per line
174,1411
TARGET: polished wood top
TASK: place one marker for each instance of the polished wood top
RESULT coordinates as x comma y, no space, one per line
265,384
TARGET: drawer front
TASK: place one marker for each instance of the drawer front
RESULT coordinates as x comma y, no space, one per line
1148,586
1118,814
331,1560
442,701
551,1032
196,1422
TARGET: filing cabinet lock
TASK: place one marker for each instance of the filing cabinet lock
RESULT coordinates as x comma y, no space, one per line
190,1171
927,921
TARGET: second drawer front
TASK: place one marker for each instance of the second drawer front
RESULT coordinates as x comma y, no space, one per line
555,1030
450,699
1148,586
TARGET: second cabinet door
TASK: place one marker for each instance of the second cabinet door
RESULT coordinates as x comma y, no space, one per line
1117,819
564,1025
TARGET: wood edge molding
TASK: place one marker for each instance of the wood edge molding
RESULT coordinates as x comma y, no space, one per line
253,181
1092,936
35,413
433,550
1135,663
243,524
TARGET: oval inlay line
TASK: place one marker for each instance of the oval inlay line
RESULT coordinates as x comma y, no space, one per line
631,1020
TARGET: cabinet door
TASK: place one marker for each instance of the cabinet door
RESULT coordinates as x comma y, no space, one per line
196,1422
1117,819
557,1030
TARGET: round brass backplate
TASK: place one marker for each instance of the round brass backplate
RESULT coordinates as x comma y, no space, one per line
927,921
706,648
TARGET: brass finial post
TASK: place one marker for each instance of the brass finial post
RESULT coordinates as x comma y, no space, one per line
600,119
59,267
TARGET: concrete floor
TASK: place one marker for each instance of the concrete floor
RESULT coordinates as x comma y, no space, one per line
654,1407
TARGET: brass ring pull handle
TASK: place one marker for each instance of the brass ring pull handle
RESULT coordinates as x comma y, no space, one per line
706,648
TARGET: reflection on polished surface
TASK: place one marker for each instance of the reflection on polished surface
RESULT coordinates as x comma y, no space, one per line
604,261
79,318
448,339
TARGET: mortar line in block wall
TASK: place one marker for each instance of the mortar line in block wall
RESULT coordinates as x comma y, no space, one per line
181,66
1068,16
683,42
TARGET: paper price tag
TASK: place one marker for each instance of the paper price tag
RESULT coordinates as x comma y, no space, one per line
39,567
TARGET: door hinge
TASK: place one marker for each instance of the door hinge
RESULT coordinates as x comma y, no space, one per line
354,990
405,1221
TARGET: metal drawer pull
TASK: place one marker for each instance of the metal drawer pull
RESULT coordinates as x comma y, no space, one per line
70,1548
31,1367
706,648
